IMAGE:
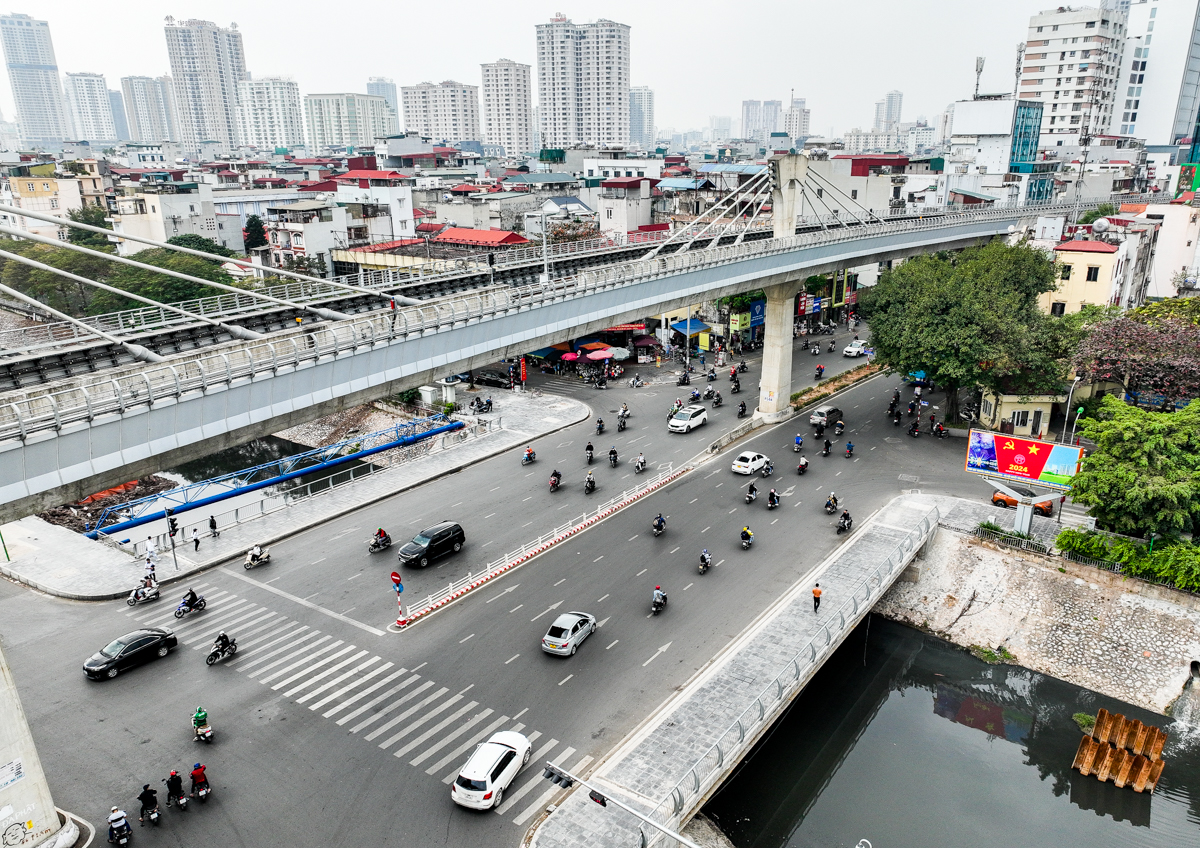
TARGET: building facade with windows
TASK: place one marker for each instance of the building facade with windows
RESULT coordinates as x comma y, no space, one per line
1159,86
446,111
760,118
270,113
1073,58
335,120
384,87
150,109
207,63
508,106
641,117
33,75
90,108
583,83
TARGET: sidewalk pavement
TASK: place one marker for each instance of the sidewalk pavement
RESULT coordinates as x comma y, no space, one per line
60,562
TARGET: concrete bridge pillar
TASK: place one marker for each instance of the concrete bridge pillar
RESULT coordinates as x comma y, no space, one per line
788,173
775,391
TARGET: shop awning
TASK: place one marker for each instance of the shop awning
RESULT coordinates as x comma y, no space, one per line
691,327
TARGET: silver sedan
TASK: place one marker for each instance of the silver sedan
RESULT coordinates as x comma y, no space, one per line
567,632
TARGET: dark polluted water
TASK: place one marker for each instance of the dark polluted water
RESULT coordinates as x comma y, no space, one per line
924,746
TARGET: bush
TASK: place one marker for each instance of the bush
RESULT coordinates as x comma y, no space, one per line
409,396
1086,722
1175,562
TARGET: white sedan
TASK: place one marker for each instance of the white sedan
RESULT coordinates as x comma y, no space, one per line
749,462
855,348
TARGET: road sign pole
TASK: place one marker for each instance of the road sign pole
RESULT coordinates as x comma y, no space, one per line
398,585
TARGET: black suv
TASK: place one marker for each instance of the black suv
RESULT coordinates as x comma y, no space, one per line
433,542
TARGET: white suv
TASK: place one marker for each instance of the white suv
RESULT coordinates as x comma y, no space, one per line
855,349
493,766
688,418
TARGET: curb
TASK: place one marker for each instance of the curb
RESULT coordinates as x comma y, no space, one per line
415,617
188,574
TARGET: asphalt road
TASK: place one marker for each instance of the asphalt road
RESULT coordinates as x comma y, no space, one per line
330,728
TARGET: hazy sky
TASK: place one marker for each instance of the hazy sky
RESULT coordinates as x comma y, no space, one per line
701,58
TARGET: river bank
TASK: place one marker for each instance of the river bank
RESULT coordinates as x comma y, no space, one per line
1127,639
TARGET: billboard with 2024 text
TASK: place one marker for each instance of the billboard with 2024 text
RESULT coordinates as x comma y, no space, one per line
1022,460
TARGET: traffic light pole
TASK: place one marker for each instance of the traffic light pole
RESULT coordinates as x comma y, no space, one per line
173,528
557,774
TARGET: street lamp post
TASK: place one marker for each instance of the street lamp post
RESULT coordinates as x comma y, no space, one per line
1068,414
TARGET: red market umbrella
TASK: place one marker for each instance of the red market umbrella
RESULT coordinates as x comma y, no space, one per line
570,357
600,354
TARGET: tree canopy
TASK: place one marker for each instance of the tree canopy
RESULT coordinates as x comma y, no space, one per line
1101,211
95,216
256,233
1158,359
973,319
159,287
1144,475
195,242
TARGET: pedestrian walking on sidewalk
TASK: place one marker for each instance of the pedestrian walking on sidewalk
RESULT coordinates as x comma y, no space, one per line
816,597
151,549
150,569
196,539
212,526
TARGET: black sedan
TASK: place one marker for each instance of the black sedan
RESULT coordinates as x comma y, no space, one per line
131,649
492,378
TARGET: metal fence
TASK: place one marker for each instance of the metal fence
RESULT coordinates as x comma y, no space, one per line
46,407
740,736
1012,541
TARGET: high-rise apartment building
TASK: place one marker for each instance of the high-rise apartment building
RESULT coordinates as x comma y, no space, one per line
760,118
118,112
150,108
1158,99
797,120
508,106
270,113
385,88
720,127
641,117
583,83
88,106
207,63
335,120
887,112
446,111
33,74
1073,57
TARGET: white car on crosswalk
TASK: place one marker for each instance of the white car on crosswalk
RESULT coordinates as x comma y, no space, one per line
492,767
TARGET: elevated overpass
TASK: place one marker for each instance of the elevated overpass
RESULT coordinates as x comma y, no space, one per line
62,440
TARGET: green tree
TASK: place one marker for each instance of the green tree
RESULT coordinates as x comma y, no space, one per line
95,216
195,242
160,287
304,265
1101,211
256,233
56,291
1144,475
972,319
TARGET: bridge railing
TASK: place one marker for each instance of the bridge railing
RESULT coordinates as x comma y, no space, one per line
736,740
52,406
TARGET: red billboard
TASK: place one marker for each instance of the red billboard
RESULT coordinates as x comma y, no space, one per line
1019,459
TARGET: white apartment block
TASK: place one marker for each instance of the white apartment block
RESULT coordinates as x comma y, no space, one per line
1158,98
641,117
1073,57
384,87
798,119
887,111
862,141
150,109
270,113
583,83
207,63
33,74
335,120
508,106
89,107
760,118
445,111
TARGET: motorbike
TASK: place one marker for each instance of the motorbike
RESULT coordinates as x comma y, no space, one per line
747,542
589,486
839,429
940,431
657,528
751,496
802,467
480,406
709,393
768,469
732,373
146,595
219,654
599,427
202,790
798,444
741,411
735,388
183,609
844,524
683,379
896,419
554,484
612,460
262,560
203,733
825,451
122,834
815,350
772,503
620,423
705,563
830,507
636,382
375,545
527,458
602,383
742,367
154,815
639,465
658,605
180,800
695,397
849,452
831,345
589,457
914,431
717,402
712,375
819,373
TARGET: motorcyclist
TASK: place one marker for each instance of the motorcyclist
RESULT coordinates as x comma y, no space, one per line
746,534
772,498
556,477
381,536
588,450
828,445
529,454
849,447
844,519
820,370
200,718
660,523
799,441
803,462
706,557
831,502
914,428
116,821
221,643
599,424
641,461
623,412
149,799
190,598
717,398
612,455
144,587
199,778
256,553
732,372
839,426
174,787
589,482
660,597
752,492
742,408
820,429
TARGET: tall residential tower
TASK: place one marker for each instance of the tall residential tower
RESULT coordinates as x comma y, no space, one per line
384,87
583,83
33,74
447,111
90,109
508,106
641,117
270,112
207,63
150,108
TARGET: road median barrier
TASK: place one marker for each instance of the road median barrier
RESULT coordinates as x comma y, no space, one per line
514,559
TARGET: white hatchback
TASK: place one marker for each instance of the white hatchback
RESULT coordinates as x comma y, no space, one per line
749,462
688,418
492,767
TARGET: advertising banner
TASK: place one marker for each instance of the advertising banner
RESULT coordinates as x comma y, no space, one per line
1025,460
758,313
815,304
735,323
704,345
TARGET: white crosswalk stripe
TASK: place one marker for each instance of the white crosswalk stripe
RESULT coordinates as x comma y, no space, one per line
437,728
250,619
393,722
310,649
377,699
458,752
282,629
255,659
450,737
544,799
349,702
434,713
201,626
340,692
309,668
331,670
536,758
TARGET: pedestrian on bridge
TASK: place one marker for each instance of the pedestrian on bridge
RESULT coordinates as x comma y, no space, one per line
212,526
196,538
816,597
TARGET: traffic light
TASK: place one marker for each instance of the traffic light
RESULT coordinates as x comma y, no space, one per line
172,524
556,775
598,798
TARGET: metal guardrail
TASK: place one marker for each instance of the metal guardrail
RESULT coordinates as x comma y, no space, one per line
495,568
741,735
47,407
1011,541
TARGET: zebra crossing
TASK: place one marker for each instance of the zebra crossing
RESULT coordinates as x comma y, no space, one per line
397,709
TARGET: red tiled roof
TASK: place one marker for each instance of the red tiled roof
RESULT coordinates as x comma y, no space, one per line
467,187
387,245
428,228
227,173
422,213
1087,247
369,175
465,235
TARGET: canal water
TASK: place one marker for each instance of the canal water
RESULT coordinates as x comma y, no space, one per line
910,742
